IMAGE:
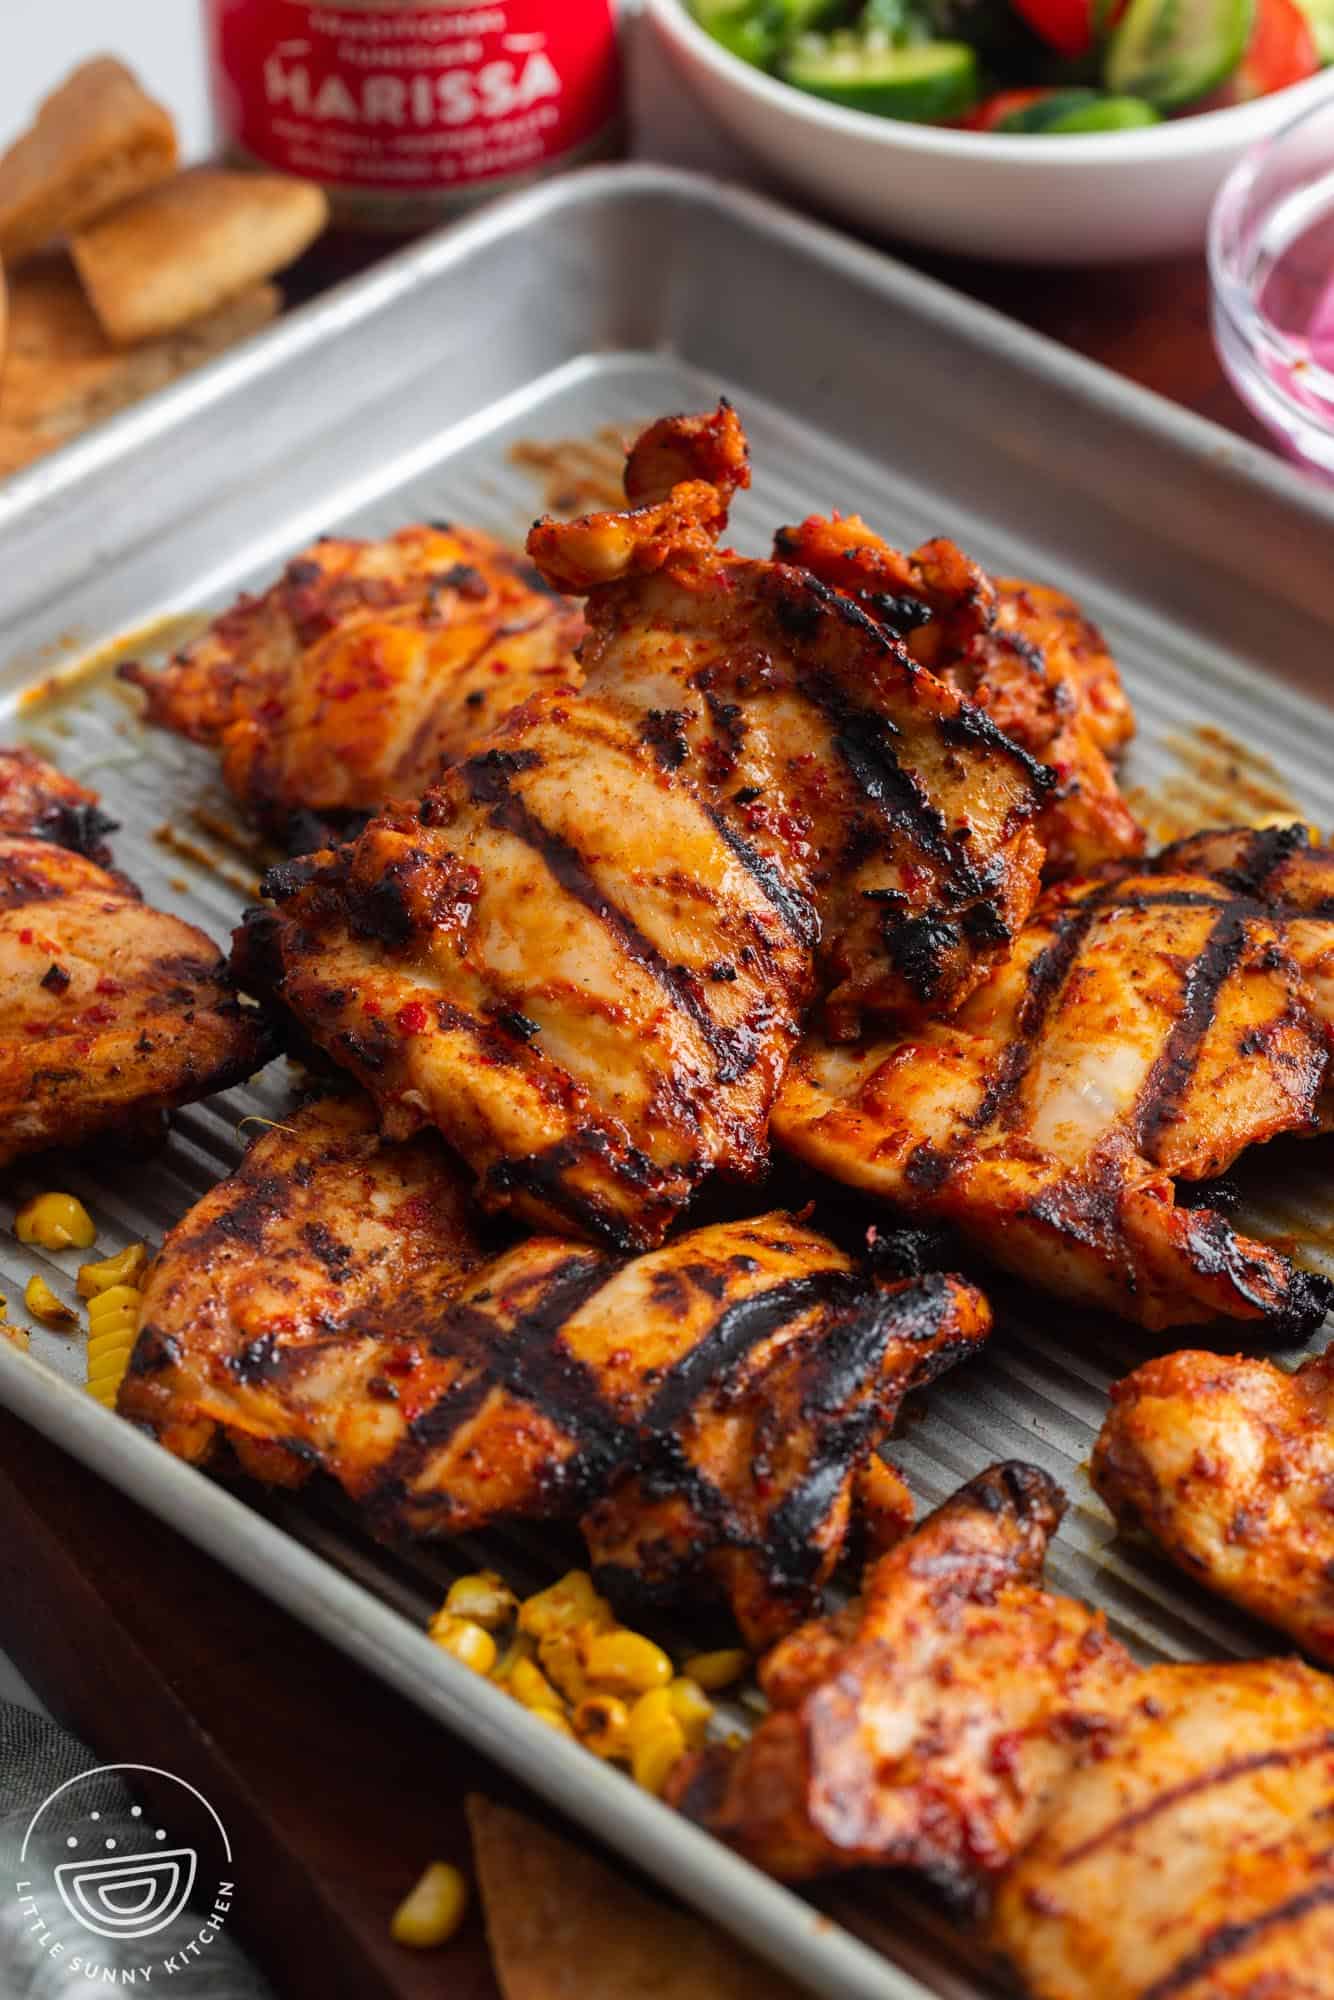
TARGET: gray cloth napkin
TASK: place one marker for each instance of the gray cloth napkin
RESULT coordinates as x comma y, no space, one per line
36,1758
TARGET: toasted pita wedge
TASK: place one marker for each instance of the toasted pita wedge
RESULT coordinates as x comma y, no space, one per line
156,263
95,141
563,1927
61,374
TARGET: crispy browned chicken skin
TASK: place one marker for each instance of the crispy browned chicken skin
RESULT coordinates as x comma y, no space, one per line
1145,1032
1163,1833
712,1404
110,1012
1025,654
586,956
40,802
1228,1464
365,669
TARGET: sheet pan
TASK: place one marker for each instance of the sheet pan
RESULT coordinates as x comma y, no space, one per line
599,302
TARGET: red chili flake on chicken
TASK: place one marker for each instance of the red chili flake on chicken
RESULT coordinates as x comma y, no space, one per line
414,1018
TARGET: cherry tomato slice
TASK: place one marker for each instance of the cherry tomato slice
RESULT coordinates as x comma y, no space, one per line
1281,51
1064,25
1003,104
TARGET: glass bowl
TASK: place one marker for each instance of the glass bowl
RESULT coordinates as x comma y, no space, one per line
1271,266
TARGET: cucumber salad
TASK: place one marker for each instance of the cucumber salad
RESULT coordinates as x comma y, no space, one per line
1028,66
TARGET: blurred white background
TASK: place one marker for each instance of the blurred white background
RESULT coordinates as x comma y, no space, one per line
161,39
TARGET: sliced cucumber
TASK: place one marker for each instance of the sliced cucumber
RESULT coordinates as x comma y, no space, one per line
926,82
1175,51
751,29
1320,20
1105,114
1042,113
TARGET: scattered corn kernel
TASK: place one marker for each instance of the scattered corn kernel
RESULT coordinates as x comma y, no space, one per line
657,1754
603,1723
650,1710
561,1657
713,1671
530,1685
43,1304
114,1303
692,1709
125,1268
434,1910
625,1663
572,1601
55,1222
554,1718
16,1335
519,1648
106,1371
463,1641
484,1598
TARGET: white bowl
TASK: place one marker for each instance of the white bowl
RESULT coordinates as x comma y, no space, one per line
1076,198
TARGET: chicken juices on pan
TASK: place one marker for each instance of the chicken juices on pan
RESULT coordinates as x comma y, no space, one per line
1160,1832
1227,1463
364,670
706,1409
111,1013
1025,654
1146,1031
585,957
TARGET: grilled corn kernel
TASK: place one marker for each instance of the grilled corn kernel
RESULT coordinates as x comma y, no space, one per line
572,1601
519,1648
650,1710
43,1304
692,1709
625,1663
117,1302
603,1723
484,1598
464,1641
656,1755
530,1685
125,1268
106,1371
561,1657
56,1222
433,1912
554,1718
16,1335
713,1671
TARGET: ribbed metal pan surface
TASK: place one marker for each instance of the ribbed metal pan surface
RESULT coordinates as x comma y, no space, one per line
602,303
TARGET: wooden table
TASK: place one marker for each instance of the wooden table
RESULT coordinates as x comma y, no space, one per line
335,1791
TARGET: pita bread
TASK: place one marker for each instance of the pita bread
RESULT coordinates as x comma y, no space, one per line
563,1927
156,263
61,374
96,140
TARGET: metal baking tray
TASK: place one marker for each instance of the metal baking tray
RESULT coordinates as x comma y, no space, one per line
599,301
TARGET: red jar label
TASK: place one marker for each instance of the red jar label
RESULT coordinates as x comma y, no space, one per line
413,99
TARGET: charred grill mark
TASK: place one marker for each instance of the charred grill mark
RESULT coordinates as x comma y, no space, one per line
1189,1788
799,915
741,1327
729,722
1046,979
1168,1080
1265,853
864,742
663,729
734,1050
1291,1303
973,726
1227,1940
920,948
545,1175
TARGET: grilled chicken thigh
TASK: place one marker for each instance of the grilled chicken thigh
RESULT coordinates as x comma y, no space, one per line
925,1725
585,957
365,669
1228,1464
1146,1031
278,1314
1025,654
711,1403
110,1012
1193,1859
1161,1832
